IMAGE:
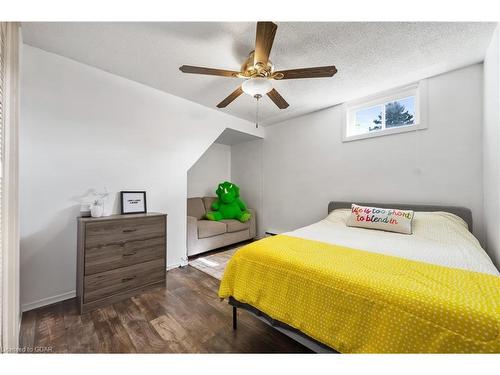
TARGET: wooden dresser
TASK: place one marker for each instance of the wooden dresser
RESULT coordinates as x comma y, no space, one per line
119,256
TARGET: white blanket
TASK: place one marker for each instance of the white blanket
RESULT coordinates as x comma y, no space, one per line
439,238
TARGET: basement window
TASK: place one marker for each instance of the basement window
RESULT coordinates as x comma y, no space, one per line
391,112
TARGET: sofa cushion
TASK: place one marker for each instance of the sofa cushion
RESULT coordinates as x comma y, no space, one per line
207,201
235,225
208,228
196,208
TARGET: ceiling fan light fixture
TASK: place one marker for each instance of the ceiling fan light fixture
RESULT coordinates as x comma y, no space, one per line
257,86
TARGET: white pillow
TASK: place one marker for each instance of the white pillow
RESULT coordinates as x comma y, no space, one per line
388,219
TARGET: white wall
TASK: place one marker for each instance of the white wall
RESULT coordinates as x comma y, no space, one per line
306,165
83,128
213,167
491,145
246,172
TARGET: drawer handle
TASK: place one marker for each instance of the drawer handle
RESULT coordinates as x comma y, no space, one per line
125,279
129,230
129,254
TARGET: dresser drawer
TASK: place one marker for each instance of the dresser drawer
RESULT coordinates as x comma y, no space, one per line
119,231
105,284
122,254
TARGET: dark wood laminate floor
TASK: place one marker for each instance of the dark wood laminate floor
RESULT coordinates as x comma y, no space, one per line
185,317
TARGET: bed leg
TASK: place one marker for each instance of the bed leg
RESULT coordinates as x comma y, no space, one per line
235,318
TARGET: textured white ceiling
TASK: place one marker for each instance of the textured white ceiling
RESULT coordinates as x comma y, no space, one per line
369,56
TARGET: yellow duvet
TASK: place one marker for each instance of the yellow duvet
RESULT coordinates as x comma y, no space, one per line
362,302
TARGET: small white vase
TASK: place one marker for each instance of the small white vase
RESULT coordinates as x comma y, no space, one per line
96,210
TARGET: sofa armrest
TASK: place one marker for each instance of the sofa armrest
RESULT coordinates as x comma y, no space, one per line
253,223
192,231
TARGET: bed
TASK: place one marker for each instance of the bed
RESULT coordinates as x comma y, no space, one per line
339,289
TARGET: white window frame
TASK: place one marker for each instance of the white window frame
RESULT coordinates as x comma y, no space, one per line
419,90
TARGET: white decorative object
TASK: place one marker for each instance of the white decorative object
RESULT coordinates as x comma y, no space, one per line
89,199
103,198
97,208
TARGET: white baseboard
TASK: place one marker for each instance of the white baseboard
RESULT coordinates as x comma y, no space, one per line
48,301
182,263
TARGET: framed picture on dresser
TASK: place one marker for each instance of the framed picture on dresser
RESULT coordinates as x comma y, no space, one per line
133,202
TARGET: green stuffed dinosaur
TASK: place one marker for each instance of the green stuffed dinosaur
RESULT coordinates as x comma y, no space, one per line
228,205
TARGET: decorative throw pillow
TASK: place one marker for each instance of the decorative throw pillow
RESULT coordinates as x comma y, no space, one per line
388,219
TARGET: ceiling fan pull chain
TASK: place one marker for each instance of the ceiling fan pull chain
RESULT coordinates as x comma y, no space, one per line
257,97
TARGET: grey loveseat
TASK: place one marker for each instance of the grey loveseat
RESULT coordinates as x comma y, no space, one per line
204,235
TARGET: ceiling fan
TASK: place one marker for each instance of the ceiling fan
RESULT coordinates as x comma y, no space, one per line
259,71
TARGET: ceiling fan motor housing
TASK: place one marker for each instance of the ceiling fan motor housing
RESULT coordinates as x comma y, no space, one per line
249,69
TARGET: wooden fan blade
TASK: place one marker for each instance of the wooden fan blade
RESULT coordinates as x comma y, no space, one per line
230,98
317,72
264,41
208,71
277,99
